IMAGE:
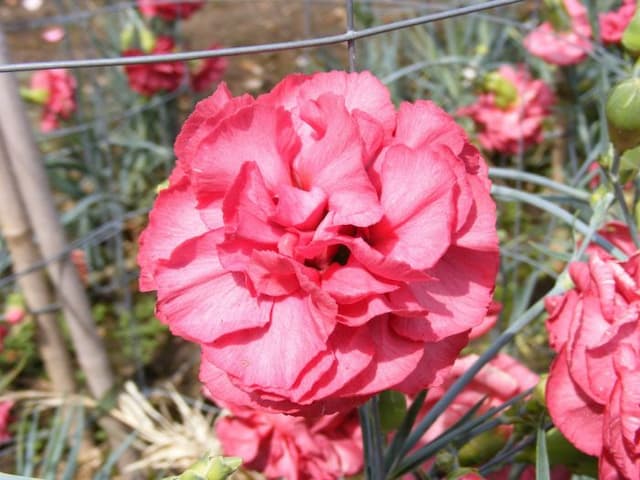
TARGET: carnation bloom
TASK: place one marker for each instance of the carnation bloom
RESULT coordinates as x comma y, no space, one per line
283,446
320,246
58,87
14,314
151,78
593,392
206,72
614,23
566,45
516,124
169,10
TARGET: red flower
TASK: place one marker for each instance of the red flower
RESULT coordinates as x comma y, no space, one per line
614,23
282,446
517,125
593,393
320,246
5,419
205,73
169,10
59,88
566,45
151,78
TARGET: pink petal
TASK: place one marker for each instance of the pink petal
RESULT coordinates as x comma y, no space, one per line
434,364
416,228
200,300
457,301
576,416
334,163
172,221
247,207
251,134
274,355
299,208
351,283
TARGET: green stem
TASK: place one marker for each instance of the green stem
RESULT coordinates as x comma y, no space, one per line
372,438
553,209
508,173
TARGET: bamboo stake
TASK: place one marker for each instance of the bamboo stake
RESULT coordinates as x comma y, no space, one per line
33,184
14,225
36,194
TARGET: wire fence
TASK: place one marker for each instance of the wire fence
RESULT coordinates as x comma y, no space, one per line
104,214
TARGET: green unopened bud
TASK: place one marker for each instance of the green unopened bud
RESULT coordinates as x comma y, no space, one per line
562,452
555,12
393,407
505,92
126,36
540,391
445,462
35,95
631,35
481,448
147,39
629,164
623,114
212,468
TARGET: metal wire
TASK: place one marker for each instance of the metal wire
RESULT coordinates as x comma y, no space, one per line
348,36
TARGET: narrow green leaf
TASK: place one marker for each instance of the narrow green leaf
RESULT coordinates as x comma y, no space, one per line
542,457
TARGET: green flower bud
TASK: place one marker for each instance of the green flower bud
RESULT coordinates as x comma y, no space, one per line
126,36
481,448
505,92
147,39
393,407
212,468
631,35
35,95
623,114
629,164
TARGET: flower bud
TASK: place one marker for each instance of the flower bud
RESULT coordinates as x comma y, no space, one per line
623,114
631,35
393,407
505,92
15,310
481,448
35,95
147,39
126,37
212,468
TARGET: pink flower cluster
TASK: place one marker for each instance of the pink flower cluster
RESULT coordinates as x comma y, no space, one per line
563,46
295,448
152,78
614,23
593,392
516,126
320,246
169,10
59,88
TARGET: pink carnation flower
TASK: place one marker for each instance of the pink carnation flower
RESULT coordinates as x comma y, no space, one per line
593,392
151,78
5,420
517,126
14,314
282,446
614,23
169,10
321,246
59,87
563,47
207,72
